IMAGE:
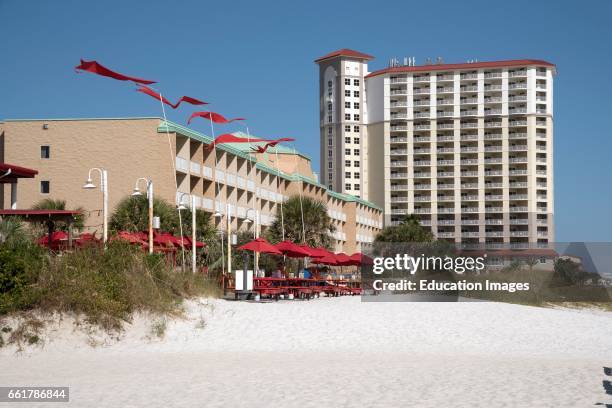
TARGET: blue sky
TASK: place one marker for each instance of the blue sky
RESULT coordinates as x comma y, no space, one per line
255,59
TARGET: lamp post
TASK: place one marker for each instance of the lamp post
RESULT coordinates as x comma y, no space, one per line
255,224
104,188
137,193
193,226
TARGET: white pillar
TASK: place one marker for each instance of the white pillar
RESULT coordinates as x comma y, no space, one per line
193,233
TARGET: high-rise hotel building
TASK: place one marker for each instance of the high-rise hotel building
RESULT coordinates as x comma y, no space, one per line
466,147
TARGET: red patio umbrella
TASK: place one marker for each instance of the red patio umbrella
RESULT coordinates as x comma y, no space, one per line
56,236
187,241
343,259
328,259
319,252
359,259
260,245
130,237
292,250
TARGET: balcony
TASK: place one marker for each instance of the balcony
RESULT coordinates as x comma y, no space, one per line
470,222
468,76
492,87
422,186
446,222
420,163
520,135
518,159
494,209
493,99
399,104
445,174
399,199
445,149
494,234
446,234
398,128
493,160
446,186
398,139
420,79
446,198
447,77
422,210
399,92
422,175
517,123
469,210
518,85
519,185
468,149
492,112
469,101
399,187
519,221
494,185
182,164
445,89
517,98
516,148
420,91
468,137
470,234
398,151
423,102
445,126
489,125
399,211
469,161
445,162
444,114
518,172
494,221
421,198
493,148
519,233
471,88
493,173
399,175
422,150
468,185
514,74
399,116
421,139
469,198
399,163
489,75
207,172
469,113
470,125
419,115
517,111
195,168
445,102
518,209
446,210
422,127
469,174
398,80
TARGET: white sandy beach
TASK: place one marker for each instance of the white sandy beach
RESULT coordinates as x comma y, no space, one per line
331,352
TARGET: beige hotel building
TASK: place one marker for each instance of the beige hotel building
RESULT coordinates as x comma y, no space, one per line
239,183
466,147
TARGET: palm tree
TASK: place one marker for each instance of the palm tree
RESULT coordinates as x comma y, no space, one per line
410,230
132,214
317,224
51,204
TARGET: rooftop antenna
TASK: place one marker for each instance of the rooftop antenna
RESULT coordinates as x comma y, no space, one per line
428,61
439,60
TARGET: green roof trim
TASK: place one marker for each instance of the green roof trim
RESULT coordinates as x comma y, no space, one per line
245,153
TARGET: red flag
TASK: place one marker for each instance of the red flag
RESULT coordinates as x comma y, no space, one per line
272,143
215,117
229,138
146,90
95,68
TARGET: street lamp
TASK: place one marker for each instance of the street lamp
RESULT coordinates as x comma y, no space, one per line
193,226
256,223
137,193
89,185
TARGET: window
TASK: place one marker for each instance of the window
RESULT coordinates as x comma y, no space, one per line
347,151
330,187
329,165
356,175
347,174
45,187
347,81
329,130
329,84
356,117
347,105
356,140
330,141
356,186
356,152
330,153
347,116
347,163
356,163
356,105
347,186
356,129
45,152
356,94
329,118
347,140
347,128
356,82
330,175
347,93
329,107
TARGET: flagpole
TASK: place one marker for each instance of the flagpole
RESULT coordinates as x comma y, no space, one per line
217,192
173,159
300,194
283,196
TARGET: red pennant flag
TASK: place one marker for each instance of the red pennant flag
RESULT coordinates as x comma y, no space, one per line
214,117
146,90
272,143
95,68
229,138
